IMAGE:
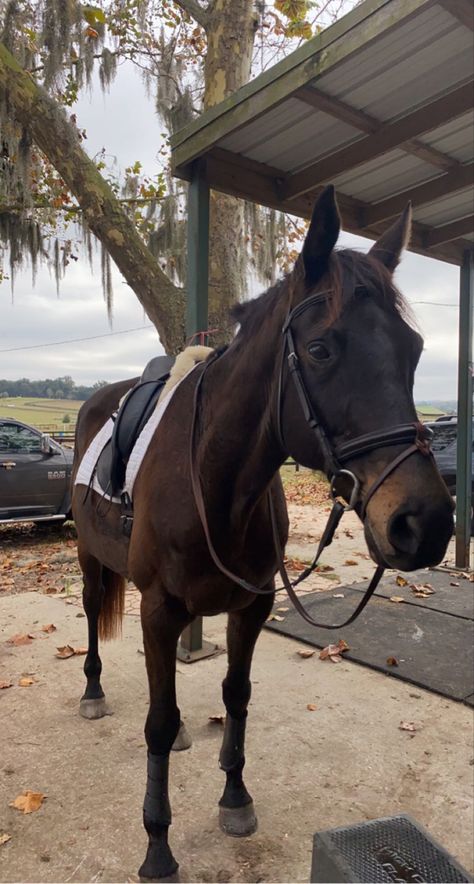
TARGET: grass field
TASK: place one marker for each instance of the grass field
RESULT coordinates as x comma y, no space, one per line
45,414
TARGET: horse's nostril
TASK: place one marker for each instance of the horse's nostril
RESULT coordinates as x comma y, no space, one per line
404,532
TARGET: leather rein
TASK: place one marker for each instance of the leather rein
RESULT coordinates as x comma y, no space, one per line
416,436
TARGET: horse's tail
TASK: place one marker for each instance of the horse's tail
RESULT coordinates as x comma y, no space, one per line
113,599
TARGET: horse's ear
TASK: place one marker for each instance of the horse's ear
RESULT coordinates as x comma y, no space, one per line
390,245
322,235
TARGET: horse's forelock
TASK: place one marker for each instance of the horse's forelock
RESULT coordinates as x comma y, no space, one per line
348,271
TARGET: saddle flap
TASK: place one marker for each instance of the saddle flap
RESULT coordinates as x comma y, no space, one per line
157,368
134,412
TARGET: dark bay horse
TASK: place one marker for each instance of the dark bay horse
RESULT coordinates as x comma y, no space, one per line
357,354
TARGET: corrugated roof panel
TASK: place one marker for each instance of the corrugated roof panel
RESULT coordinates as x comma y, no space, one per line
362,79
297,146
286,137
266,126
455,138
384,176
449,208
432,72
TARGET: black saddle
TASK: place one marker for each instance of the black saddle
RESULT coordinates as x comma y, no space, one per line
130,420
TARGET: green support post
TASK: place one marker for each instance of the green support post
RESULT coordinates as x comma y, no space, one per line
464,439
191,645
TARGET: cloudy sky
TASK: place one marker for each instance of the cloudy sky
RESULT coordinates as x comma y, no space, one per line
125,124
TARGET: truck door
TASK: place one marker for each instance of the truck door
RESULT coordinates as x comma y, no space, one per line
32,483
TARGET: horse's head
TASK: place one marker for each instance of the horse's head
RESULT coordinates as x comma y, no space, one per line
356,354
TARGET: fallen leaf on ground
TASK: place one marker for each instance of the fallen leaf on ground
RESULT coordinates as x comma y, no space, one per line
338,595
295,565
275,617
322,568
311,707
350,562
26,681
20,639
50,627
333,652
305,654
400,581
4,837
216,719
66,651
7,582
408,726
283,610
5,684
396,598
422,590
28,801
392,661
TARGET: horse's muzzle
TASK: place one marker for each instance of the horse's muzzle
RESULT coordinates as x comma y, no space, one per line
416,537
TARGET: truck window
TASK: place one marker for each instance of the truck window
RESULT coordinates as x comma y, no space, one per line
14,438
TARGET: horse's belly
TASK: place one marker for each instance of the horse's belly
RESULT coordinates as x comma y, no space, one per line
100,531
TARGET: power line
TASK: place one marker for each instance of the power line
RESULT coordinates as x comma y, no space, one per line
434,303
126,331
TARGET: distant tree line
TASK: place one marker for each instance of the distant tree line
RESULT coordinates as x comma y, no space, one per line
51,388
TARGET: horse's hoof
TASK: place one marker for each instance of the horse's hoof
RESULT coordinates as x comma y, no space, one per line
171,878
238,821
94,708
183,740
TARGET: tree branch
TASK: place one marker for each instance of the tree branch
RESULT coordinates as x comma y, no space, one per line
193,8
55,135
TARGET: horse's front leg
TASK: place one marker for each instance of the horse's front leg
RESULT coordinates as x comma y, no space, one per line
236,811
162,622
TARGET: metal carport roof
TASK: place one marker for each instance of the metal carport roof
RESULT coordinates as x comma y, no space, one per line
379,104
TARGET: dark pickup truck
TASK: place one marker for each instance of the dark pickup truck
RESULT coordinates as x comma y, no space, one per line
444,444
35,475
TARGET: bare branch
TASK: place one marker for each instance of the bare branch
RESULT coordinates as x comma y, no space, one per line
195,10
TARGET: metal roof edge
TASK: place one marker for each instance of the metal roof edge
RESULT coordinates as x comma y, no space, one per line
310,48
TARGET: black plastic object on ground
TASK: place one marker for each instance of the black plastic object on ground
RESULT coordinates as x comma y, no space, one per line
388,849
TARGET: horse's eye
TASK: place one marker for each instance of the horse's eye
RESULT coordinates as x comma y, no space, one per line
318,351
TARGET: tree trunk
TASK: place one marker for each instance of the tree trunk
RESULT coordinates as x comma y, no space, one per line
56,136
230,28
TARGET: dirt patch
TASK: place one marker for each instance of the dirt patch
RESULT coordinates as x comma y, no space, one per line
38,558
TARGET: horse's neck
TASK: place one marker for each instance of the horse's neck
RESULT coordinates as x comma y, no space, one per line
239,450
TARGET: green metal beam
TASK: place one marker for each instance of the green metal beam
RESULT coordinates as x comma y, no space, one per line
464,442
198,251
191,645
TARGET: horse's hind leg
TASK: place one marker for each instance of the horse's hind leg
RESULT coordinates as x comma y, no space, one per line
236,811
103,604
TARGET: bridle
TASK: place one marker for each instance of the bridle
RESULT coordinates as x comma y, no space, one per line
414,435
